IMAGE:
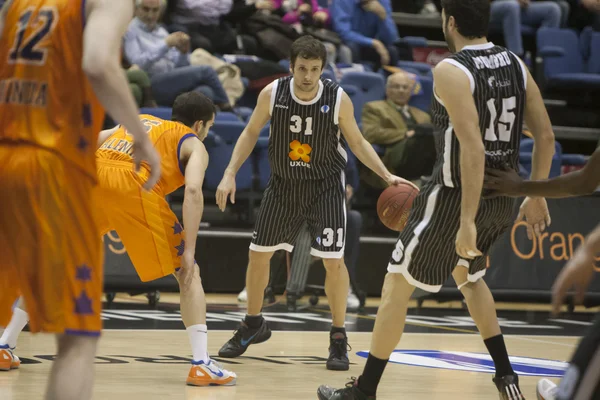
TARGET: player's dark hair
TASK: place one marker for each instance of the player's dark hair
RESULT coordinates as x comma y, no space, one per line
191,107
472,16
310,48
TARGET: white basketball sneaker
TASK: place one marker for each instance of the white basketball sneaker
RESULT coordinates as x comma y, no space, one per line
546,389
8,359
243,296
210,374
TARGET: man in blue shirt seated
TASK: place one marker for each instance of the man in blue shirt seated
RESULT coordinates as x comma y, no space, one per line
367,27
166,58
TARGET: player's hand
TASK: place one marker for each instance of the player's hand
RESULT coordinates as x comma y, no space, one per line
396,180
187,270
466,241
576,274
534,210
226,189
143,150
502,182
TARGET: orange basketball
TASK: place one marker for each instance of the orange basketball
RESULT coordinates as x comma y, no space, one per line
393,205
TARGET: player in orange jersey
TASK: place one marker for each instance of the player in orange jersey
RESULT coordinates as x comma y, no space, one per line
58,67
155,240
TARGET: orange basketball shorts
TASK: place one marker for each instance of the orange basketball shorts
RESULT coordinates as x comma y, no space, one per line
149,230
50,246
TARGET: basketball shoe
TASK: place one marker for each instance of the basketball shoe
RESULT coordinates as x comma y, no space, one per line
546,390
244,337
508,387
210,374
350,392
8,360
338,352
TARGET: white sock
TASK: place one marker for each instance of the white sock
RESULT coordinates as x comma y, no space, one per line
198,335
14,328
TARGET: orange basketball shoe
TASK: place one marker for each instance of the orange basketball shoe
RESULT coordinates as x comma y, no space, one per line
8,360
210,374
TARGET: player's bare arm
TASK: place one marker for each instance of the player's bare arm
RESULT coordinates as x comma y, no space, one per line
576,183
105,134
360,147
195,158
578,272
106,22
453,88
243,147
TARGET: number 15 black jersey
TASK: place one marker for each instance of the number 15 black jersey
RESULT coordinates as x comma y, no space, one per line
498,81
305,140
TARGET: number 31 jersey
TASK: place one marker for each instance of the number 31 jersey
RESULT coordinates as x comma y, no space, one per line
305,140
498,81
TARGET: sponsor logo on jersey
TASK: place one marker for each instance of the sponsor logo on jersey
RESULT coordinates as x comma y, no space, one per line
474,362
299,154
325,109
281,106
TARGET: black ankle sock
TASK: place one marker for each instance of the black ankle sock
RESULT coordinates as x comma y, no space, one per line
253,321
369,380
497,350
335,330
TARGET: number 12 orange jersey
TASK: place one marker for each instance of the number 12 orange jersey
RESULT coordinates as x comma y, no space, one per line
45,98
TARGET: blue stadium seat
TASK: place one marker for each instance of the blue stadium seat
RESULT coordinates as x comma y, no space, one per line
594,58
564,65
244,112
159,112
266,131
358,99
422,68
422,100
226,116
526,153
329,74
229,131
261,158
220,154
371,84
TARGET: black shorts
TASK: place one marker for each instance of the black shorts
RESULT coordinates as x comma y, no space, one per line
426,252
287,205
582,378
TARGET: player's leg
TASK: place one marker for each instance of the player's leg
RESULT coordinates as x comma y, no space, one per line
8,341
325,213
277,227
582,378
493,218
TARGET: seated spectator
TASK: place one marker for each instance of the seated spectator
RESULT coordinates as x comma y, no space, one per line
203,21
367,27
405,131
309,14
585,12
507,16
139,83
241,11
166,58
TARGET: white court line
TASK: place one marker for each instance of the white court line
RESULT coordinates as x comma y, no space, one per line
572,322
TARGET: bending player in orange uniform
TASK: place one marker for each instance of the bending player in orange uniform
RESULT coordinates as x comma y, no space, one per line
155,240
58,67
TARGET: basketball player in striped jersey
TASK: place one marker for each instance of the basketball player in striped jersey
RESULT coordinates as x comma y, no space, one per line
482,95
582,378
311,121
58,69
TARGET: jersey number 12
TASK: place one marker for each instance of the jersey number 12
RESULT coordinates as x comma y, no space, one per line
501,128
28,50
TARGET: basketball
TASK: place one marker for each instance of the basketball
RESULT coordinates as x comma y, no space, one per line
393,205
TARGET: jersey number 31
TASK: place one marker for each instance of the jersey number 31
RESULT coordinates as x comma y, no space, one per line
296,126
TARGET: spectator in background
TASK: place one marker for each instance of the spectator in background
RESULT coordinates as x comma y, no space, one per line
506,16
367,27
405,131
203,21
585,12
166,58
244,9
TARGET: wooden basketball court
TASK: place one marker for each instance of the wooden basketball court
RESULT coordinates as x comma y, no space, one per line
144,353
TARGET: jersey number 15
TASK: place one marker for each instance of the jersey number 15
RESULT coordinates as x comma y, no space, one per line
501,127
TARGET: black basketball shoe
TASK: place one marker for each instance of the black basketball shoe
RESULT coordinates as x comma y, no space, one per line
508,387
350,392
244,337
338,352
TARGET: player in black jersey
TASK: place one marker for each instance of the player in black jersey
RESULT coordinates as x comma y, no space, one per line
311,121
482,95
582,379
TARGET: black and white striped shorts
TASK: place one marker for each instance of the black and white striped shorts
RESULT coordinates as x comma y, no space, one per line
426,252
287,204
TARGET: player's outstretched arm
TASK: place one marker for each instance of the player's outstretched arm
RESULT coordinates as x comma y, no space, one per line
106,22
194,156
453,88
243,147
577,183
538,121
359,145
